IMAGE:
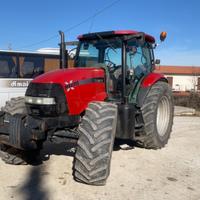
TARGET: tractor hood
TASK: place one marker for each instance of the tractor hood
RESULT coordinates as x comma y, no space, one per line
78,86
70,76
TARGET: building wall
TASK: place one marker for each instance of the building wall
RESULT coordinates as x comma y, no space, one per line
184,83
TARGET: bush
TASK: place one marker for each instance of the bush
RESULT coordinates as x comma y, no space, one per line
191,101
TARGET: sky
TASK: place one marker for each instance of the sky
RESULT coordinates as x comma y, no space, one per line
30,25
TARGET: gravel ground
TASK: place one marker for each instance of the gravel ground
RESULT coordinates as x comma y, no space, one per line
172,173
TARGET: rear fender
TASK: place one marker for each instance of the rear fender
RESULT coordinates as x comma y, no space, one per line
152,78
146,85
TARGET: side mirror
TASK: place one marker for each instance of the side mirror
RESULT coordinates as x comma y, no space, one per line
163,36
157,62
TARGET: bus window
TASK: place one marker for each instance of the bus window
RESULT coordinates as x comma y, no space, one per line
31,66
8,66
51,64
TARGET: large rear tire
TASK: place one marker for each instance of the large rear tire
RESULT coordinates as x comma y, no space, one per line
95,144
158,112
11,155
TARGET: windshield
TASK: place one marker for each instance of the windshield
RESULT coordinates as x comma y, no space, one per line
108,53
99,52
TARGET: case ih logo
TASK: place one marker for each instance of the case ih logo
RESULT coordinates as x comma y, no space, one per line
70,85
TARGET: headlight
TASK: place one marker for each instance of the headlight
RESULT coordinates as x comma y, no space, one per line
40,100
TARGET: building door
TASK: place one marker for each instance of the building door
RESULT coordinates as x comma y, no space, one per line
170,81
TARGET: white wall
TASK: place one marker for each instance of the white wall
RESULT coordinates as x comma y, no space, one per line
184,83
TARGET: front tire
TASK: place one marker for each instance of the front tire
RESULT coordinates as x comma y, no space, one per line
158,112
95,144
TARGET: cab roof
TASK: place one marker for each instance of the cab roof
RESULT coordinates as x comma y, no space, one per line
107,34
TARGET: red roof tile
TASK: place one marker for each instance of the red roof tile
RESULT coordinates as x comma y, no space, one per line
178,70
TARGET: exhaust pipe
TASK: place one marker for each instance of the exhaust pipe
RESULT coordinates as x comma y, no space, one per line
63,52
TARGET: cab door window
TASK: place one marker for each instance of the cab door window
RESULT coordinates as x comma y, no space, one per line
138,60
113,55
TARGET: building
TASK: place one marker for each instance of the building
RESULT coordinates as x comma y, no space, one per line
181,78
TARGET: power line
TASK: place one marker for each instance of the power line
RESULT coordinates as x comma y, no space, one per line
74,26
94,15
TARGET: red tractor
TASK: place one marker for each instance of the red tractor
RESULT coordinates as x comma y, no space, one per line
111,93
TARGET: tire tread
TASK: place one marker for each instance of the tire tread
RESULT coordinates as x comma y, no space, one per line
95,144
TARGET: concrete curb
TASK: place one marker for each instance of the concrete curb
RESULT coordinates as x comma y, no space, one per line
184,111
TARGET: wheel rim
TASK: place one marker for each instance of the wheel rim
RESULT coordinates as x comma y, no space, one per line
163,115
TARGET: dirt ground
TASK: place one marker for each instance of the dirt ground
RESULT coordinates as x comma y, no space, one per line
172,173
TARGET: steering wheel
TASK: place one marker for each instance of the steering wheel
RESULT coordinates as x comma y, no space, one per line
112,67
109,64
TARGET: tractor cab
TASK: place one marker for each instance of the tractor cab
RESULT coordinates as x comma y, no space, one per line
127,54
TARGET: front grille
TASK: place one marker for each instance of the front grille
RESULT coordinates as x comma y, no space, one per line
47,90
